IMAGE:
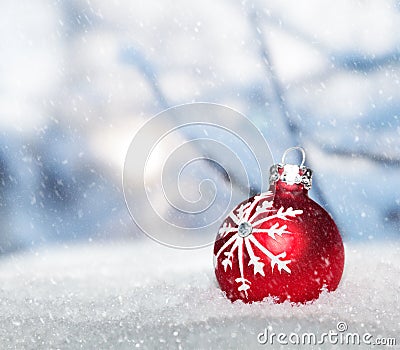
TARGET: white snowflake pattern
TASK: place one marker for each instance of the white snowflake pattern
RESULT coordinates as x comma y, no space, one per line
245,224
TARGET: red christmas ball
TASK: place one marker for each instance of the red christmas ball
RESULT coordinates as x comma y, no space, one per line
281,245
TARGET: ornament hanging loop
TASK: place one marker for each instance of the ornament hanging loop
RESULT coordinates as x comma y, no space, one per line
301,149
290,173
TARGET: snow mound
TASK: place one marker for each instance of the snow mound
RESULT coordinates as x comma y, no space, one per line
144,295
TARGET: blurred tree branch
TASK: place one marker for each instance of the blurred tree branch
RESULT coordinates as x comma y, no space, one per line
134,57
294,128
355,62
361,154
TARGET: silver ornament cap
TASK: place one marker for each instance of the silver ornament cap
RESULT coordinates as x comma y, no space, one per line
291,174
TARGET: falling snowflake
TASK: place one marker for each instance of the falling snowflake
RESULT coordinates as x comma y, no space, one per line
246,221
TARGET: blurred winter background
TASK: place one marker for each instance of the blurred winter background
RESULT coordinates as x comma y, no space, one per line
78,78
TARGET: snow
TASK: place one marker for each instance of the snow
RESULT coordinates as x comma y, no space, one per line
144,295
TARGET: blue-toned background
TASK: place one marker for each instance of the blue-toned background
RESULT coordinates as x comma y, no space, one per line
78,78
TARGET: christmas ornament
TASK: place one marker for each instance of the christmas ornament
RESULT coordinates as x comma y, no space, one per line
282,245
